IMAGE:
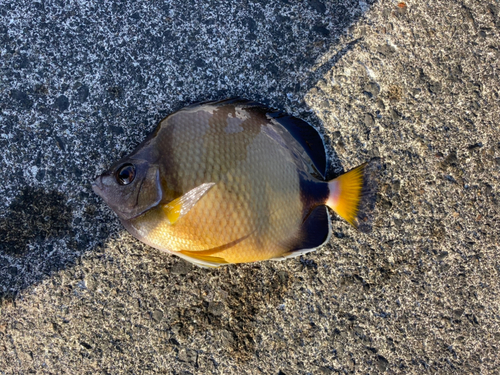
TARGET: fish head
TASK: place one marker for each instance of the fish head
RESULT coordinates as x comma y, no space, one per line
130,187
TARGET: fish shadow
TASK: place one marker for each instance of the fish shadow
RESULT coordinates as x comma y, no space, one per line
34,220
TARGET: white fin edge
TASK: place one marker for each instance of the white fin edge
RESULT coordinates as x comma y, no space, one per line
197,262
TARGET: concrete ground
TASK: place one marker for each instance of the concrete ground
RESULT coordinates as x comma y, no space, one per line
415,82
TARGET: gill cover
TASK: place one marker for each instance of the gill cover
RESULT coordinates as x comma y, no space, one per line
137,196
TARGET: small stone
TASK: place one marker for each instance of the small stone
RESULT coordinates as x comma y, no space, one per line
157,316
317,5
60,143
368,120
187,355
442,255
386,50
200,63
402,8
85,345
450,161
181,268
227,339
116,130
82,93
395,115
250,23
325,371
474,146
435,87
372,88
40,174
382,363
115,92
22,98
216,308
62,103
41,90
322,30
395,93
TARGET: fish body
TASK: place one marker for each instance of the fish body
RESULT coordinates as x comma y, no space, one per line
227,182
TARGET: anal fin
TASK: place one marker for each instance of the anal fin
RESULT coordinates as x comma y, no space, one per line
210,257
203,261
314,232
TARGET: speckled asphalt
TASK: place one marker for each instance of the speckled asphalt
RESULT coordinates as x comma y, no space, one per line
415,82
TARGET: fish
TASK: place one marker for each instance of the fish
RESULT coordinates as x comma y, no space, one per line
233,181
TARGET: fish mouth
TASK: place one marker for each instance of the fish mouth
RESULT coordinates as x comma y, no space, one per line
97,185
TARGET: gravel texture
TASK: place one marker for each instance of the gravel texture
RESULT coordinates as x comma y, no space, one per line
416,83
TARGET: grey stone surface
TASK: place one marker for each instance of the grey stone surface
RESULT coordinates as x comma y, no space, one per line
417,83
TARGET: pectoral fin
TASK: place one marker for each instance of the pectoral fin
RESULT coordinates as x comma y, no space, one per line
182,205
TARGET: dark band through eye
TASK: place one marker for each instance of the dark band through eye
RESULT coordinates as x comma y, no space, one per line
126,174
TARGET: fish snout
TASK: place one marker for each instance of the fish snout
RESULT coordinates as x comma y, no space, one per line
97,185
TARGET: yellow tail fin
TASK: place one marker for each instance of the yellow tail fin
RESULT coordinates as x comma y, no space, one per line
352,190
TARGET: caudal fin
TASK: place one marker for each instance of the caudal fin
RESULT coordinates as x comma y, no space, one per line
353,194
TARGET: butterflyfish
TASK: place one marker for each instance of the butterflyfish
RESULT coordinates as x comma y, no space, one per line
234,182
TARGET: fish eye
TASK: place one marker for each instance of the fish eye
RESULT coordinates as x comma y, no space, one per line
126,174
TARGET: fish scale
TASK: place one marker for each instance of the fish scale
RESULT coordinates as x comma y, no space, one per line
267,224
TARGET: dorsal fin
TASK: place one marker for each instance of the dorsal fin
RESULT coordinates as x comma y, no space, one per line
234,101
307,136
314,232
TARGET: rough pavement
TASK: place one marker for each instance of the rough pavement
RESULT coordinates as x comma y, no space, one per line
416,83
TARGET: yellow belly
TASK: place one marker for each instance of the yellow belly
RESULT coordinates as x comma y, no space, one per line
231,226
